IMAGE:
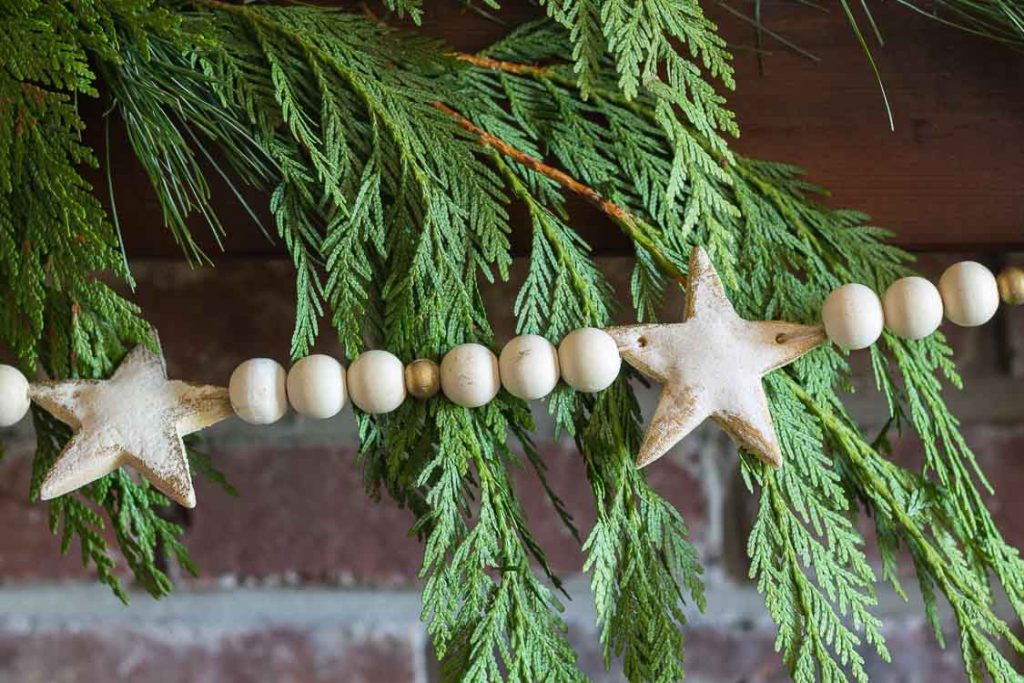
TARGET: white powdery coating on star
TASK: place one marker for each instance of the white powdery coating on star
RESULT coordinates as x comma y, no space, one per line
711,366
137,417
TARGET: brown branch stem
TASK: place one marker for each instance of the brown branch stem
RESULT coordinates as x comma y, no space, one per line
560,177
632,225
500,65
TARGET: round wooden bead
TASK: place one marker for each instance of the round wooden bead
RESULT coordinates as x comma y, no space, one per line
469,375
376,382
529,367
970,294
257,391
853,317
14,400
589,359
1011,285
423,378
913,308
316,386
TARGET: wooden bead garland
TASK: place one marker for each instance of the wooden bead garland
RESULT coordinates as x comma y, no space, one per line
853,317
469,375
529,367
148,414
1011,285
316,386
970,294
14,401
589,359
423,378
913,308
257,391
376,382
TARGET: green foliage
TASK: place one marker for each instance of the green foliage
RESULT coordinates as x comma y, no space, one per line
806,551
482,626
411,8
54,239
803,521
396,205
644,42
1002,20
367,143
637,553
132,509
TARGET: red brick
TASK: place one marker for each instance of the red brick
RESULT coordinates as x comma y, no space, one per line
27,548
732,654
302,512
303,516
180,653
1000,452
747,653
212,319
567,476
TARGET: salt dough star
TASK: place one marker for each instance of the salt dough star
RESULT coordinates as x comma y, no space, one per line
136,418
711,365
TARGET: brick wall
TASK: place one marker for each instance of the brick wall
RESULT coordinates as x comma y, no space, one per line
304,579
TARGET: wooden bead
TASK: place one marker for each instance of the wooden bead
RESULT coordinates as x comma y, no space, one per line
589,359
257,391
14,400
913,308
970,294
316,386
376,382
1011,285
423,378
853,317
529,367
469,375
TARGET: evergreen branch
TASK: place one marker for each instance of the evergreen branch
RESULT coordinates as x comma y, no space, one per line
55,238
1002,21
780,225
636,229
390,166
637,553
483,62
939,562
487,611
633,571
803,521
612,210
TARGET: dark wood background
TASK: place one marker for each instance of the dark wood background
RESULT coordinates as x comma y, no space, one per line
948,178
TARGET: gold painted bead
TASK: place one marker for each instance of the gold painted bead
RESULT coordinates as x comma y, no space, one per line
422,378
1011,285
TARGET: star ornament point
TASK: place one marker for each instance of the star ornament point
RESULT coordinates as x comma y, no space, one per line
710,366
137,418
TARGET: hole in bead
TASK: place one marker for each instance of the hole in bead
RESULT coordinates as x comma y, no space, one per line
642,341
780,338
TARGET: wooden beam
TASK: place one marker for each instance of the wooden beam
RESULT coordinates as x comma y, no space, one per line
948,178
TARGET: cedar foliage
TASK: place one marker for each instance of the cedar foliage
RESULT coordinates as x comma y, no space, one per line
395,215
